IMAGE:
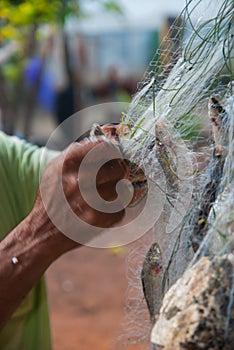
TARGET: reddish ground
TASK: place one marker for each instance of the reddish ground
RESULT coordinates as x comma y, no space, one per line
86,296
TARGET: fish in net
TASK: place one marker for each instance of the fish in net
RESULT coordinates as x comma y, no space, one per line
181,124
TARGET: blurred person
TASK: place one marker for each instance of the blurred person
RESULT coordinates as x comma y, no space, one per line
113,88
65,78
38,71
50,73
40,81
30,240
113,83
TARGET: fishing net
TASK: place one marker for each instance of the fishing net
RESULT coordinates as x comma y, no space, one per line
172,132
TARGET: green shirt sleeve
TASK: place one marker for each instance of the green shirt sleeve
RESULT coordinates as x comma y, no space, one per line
20,167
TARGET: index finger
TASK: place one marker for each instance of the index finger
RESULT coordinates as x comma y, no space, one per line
104,161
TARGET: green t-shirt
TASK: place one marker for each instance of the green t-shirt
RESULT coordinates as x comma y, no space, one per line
29,327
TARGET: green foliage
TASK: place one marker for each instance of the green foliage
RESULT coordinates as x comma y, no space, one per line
113,6
65,9
12,71
16,15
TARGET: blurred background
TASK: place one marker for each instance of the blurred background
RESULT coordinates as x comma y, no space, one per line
56,58
60,56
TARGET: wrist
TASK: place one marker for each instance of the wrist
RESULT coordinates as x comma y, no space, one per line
49,242
29,244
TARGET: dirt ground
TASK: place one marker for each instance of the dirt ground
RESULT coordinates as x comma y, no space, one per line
86,296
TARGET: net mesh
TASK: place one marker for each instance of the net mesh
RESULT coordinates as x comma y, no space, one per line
170,129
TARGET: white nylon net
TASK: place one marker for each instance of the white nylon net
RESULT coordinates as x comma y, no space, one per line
170,129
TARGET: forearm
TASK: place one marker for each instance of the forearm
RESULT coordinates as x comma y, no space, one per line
25,254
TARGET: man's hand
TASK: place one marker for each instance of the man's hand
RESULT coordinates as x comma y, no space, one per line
36,242
60,193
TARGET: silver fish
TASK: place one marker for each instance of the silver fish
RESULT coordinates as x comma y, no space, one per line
151,278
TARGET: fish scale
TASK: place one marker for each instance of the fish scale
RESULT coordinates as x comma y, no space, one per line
151,278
